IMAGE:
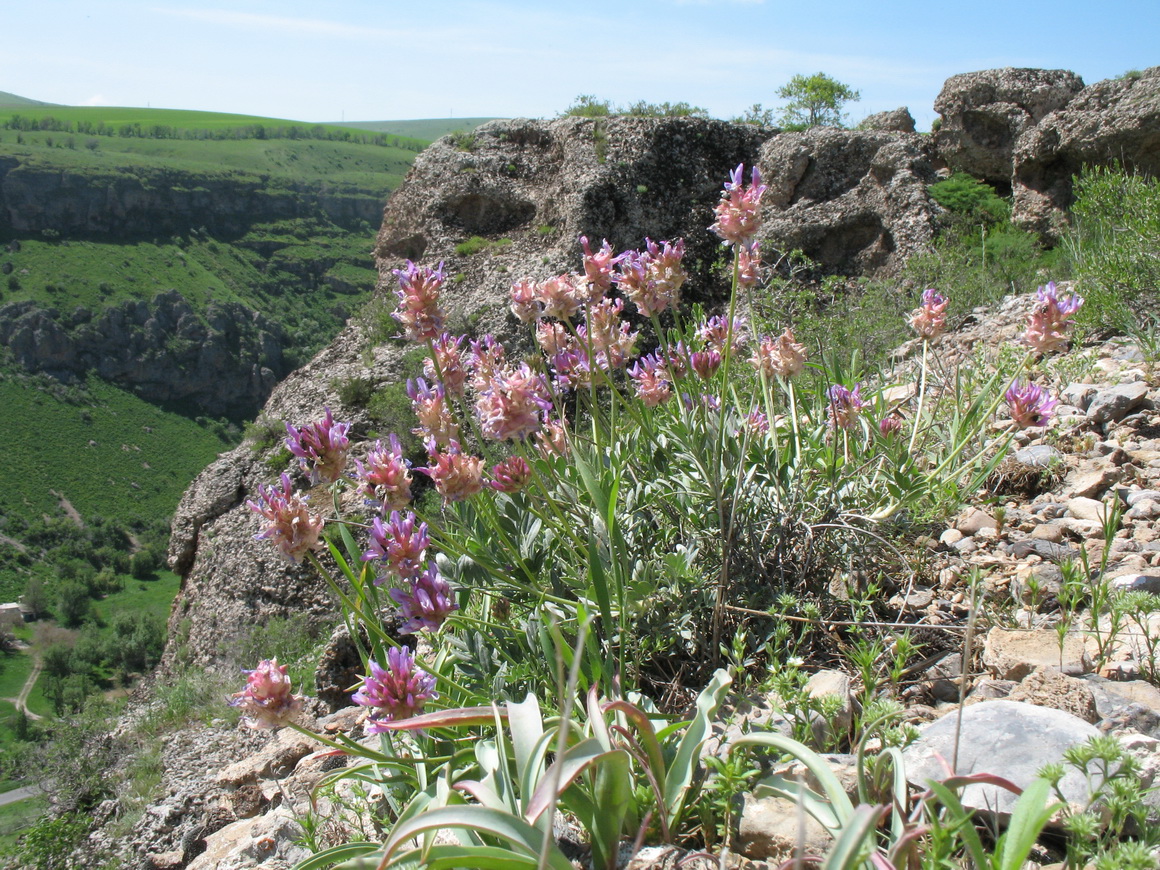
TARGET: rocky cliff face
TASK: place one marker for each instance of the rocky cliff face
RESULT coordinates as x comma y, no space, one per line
225,363
1029,131
136,202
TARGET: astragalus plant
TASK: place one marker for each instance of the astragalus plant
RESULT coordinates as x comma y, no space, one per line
625,505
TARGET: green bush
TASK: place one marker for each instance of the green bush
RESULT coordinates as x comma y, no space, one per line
354,392
587,106
971,199
1113,246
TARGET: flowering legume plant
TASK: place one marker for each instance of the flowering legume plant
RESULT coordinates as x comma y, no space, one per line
612,509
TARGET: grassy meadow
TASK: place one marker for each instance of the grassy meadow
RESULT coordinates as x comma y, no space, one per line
428,129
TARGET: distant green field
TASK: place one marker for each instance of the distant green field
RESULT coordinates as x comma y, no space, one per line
280,162
179,119
153,597
16,668
429,129
111,454
66,274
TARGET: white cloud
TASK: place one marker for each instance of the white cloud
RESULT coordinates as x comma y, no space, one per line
95,100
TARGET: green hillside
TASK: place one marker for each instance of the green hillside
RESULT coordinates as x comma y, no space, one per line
429,129
13,101
100,447
165,123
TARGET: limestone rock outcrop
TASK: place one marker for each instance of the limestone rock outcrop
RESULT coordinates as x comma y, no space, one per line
225,363
896,120
1028,132
854,201
984,114
1113,121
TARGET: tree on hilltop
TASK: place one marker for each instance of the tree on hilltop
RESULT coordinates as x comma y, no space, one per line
814,101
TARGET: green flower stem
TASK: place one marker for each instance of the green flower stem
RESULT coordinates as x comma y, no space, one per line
921,397
725,523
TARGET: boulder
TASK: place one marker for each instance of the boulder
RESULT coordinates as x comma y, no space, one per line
1113,121
897,121
1010,739
1045,687
1012,654
984,114
770,829
1115,403
853,201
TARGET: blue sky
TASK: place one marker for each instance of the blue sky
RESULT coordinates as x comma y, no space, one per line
437,58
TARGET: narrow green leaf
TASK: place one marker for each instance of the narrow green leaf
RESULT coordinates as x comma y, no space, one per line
647,737
1031,813
480,820
817,766
345,852
612,795
855,839
563,772
963,821
527,726
684,767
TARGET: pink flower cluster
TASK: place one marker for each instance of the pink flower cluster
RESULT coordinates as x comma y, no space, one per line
651,379
321,448
290,525
652,278
929,319
432,410
1048,325
267,700
419,312
781,356
385,480
739,211
398,691
451,370
511,475
457,475
510,404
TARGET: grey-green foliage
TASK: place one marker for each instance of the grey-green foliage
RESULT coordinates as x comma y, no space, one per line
588,106
1113,245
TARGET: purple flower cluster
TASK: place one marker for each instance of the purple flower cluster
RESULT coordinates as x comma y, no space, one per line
400,545
321,448
267,700
398,691
1029,404
290,525
426,602
845,405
